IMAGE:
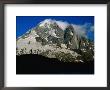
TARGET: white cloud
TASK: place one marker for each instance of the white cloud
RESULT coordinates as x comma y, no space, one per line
82,30
62,24
92,29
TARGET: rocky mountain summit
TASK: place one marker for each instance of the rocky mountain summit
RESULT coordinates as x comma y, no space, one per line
56,39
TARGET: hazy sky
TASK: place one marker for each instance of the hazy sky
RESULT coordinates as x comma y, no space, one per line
24,23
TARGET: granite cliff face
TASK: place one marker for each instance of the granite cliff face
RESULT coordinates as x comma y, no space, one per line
55,39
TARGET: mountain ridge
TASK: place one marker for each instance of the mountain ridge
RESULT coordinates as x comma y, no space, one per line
48,36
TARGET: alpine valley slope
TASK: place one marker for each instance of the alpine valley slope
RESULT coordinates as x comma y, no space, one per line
56,39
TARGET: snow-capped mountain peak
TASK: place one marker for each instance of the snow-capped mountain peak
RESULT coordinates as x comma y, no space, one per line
48,22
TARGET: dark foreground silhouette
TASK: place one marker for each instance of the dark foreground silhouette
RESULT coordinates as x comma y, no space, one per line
37,64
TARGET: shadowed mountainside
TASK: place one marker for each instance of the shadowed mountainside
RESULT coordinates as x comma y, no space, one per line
38,64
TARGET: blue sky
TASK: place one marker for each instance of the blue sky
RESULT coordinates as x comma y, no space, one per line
24,23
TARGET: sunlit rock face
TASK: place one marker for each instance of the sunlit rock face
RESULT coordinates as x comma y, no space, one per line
71,38
53,39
